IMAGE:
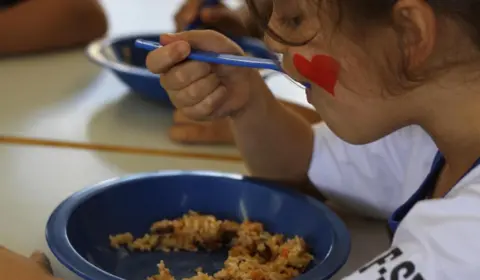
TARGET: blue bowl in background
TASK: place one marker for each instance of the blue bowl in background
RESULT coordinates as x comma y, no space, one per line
128,63
77,231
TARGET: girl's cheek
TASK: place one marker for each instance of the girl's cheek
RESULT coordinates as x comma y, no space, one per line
321,69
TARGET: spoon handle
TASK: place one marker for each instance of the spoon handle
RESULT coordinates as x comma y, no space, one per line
217,58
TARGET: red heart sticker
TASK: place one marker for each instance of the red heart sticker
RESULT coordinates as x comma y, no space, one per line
322,70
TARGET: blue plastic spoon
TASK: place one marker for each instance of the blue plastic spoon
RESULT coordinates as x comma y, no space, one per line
216,58
225,59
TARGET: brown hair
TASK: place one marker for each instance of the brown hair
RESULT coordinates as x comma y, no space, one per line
465,11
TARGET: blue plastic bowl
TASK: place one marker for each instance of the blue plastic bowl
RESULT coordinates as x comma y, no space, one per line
77,231
128,63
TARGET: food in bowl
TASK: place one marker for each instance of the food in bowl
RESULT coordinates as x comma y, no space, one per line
253,252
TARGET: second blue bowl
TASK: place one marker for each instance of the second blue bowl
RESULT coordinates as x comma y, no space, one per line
128,63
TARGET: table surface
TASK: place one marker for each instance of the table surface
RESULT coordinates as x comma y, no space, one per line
63,96
36,179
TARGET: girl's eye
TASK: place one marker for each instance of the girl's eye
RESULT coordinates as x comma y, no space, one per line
292,22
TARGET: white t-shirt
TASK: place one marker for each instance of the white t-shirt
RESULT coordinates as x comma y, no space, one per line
438,239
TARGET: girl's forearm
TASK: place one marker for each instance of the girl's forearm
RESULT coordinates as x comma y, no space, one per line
275,142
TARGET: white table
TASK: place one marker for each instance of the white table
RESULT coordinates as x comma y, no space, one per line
36,180
63,96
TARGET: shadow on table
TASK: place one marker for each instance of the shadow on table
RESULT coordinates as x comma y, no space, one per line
130,121
130,114
29,83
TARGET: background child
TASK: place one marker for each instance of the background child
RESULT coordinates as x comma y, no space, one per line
29,26
42,25
16,267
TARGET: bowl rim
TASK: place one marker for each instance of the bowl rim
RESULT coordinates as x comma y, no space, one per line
62,249
94,51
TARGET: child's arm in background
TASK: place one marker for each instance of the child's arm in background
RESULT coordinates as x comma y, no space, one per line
238,22
42,25
14,266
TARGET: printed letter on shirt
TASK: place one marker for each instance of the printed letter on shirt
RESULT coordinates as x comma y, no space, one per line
388,266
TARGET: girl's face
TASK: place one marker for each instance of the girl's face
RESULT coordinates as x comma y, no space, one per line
347,71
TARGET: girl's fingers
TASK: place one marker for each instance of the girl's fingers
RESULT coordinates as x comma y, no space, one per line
206,108
196,92
184,74
205,40
163,59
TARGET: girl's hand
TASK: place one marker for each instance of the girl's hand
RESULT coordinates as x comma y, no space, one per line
17,267
200,90
220,18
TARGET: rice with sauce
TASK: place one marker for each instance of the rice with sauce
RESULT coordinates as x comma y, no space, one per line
254,253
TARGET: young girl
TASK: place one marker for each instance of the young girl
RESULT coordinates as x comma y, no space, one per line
397,84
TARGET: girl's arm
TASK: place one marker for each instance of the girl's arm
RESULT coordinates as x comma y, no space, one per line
42,25
275,142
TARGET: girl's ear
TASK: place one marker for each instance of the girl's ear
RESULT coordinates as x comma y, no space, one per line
415,20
